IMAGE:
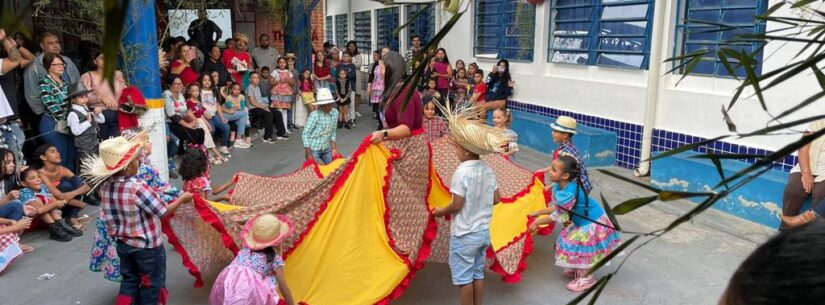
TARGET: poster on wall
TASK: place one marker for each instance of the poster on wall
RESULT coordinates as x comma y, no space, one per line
179,21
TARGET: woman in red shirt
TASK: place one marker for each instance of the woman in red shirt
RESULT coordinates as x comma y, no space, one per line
181,66
237,61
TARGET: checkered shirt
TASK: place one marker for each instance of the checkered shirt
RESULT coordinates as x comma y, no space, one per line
131,211
568,148
435,127
320,129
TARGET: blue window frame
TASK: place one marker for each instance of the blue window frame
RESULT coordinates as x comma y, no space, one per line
387,23
699,28
424,25
341,28
504,29
362,28
328,29
612,33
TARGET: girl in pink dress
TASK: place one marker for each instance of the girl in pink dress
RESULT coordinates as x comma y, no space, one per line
256,276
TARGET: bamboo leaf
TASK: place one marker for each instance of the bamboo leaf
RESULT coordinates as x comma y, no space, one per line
628,180
728,121
719,170
802,3
729,68
610,214
726,156
774,8
748,64
413,18
789,124
693,62
115,14
632,204
802,66
599,288
612,254
686,148
695,211
820,77
674,195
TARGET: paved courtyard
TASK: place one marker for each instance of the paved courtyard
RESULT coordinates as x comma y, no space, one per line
689,266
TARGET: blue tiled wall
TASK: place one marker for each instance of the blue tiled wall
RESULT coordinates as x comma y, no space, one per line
629,142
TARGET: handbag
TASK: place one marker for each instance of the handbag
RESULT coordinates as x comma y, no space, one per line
62,126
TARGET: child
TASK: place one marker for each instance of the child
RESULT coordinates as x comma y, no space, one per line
291,60
319,132
281,93
583,243
475,191
342,83
62,183
479,89
321,71
433,124
195,172
82,122
259,109
351,69
10,248
307,90
266,77
432,91
563,130
502,119
256,275
193,104
235,111
132,212
40,203
459,85
471,72
375,87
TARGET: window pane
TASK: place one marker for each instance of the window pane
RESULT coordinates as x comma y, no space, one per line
709,16
705,67
579,13
504,29
704,3
737,33
621,60
744,16
570,57
572,2
703,34
740,2
341,28
570,43
622,44
572,28
363,31
624,28
625,11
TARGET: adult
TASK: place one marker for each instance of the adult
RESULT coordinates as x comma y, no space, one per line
180,120
214,63
13,57
352,51
102,95
34,73
415,47
442,71
197,56
399,121
321,71
499,86
182,65
204,32
214,112
807,178
264,54
237,61
53,93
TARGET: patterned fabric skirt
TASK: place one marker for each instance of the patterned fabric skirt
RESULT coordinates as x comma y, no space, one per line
582,247
104,254
375,96
9,249
281,101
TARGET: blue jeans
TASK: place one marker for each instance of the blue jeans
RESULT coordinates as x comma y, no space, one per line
12,210
136,263
172,144
69,185
221,129
15,140
108,129
241,119
322,157
63,143
467,256
289,122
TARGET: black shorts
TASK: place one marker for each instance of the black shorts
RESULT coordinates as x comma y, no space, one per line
346,102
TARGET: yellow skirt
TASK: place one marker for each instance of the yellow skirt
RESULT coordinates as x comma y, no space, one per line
307,98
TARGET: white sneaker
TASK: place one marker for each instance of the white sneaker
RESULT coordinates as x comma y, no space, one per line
242,144
357,114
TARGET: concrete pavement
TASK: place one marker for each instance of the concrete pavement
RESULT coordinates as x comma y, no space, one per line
691,265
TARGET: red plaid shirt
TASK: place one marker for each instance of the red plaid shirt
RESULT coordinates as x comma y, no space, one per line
435,128
131,211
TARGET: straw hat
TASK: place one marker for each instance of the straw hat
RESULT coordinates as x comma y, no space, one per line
564,124
265,230
323,97
469,132
115,155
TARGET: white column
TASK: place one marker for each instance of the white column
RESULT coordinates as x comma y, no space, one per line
154,120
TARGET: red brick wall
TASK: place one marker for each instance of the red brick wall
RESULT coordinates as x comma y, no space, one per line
318,25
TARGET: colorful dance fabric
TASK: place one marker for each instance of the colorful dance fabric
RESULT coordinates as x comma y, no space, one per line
583,243
9,249
363,225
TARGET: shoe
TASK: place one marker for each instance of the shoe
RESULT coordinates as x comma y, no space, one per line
801,219
357,114
352,123
91,199
269,141
580,284
242,144
66,227
225,151
569,273
347,125
287,131
340,124
173,175
57,233
284,137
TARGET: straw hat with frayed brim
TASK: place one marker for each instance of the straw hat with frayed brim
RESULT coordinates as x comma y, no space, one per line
323,97
470,133
266,230
115,154
564,124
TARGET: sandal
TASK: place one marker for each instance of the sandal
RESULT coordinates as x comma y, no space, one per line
25,248
215,161
84,219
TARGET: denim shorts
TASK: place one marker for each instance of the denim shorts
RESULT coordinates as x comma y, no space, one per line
467,256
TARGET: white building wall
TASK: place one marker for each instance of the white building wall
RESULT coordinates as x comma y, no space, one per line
692,107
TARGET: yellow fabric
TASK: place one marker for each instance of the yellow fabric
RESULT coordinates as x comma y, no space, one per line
439,196
510,219
349,238
332,166
223,207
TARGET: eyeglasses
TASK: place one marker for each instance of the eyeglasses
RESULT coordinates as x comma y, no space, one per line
59,65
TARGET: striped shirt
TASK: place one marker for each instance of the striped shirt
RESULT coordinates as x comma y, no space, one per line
320,129
131,211
568,148
54,97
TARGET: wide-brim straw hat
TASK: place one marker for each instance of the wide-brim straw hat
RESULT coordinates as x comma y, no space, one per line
471,133
564,124
266,230
115,154
324,97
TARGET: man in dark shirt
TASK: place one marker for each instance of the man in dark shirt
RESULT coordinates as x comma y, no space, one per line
203,31
213,63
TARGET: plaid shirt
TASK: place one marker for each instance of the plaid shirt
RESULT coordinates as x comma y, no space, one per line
568,148
320,129
131,211
54,97
435,127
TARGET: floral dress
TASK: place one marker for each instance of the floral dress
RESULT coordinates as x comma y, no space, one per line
583,243
104,252
281,95
377,85
247,280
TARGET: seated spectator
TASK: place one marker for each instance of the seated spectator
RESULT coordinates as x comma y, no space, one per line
259,110
10,206
180,120
54,92
41,204
10,247
214,64
209,98
807,179
62,183
236,113
182,65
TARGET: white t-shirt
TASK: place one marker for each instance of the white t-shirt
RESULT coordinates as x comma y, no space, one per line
820,165
476,182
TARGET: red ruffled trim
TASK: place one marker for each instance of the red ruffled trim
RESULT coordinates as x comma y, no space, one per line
506,200
522,264
187,262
